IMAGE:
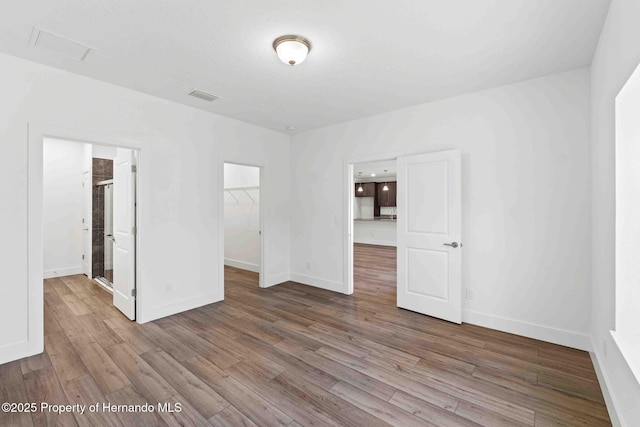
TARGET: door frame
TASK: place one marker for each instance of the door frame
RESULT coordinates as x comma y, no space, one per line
262,269
349,195
88,222
35,287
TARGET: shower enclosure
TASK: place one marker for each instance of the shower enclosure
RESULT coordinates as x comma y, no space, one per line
108,233
105,276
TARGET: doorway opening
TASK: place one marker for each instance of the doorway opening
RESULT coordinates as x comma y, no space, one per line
89,222
375,230
428,211
243,249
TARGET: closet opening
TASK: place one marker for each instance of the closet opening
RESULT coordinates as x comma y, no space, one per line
243,250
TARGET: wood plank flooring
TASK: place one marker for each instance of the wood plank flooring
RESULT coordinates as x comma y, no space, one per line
295,355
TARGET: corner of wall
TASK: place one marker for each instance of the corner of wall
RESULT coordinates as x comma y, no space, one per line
605,385
319,283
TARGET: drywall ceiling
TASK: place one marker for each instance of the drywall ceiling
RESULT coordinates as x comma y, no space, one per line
385,169
367,57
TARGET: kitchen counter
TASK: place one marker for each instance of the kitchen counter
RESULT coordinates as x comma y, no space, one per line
377,218
380,230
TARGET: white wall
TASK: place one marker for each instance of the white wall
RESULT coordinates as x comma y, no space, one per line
63,165
237,176
616,57
526,198
100,152
182,150
375,232
242,217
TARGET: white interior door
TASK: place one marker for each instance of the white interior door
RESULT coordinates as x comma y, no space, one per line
87,199
124,196
429,200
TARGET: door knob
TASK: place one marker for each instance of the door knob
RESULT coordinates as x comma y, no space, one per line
453,245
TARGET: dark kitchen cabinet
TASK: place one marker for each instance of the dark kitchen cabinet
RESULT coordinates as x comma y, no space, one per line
368,189
386,198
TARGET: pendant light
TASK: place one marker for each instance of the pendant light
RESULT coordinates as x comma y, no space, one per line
385,188
360,189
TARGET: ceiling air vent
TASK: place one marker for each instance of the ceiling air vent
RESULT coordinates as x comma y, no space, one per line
203,95
58,44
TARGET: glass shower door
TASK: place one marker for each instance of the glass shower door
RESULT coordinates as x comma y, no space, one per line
108,233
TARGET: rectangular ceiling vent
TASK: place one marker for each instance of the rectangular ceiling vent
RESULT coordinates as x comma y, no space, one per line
203,95
58,44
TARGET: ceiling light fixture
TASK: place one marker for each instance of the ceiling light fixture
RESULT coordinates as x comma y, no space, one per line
385,188
373,174
292,50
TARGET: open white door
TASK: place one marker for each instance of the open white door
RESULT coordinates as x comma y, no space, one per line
429,203
87,200
124,245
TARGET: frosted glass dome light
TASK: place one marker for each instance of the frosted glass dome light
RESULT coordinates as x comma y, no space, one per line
292,50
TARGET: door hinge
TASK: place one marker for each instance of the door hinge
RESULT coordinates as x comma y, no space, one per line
134,230
133,293
82,256
83,220
134,168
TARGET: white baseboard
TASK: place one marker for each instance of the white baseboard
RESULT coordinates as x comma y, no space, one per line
318,283
529,330
376,242
178,307
276,280
61,272
609,397
242,265
18,350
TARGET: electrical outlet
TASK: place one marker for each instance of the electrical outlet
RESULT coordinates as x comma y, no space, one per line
471,294
308,266
169,287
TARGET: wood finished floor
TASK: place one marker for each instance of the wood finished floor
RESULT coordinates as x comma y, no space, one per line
295,355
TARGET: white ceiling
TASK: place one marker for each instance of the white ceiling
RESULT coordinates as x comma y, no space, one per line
367,57
385,169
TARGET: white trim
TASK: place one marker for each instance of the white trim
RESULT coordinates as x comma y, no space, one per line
15,351
220,257
278,279
607,392
242,265
349,196
375,242
105,287
530,330
180,306
318,283
629,348
61,272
